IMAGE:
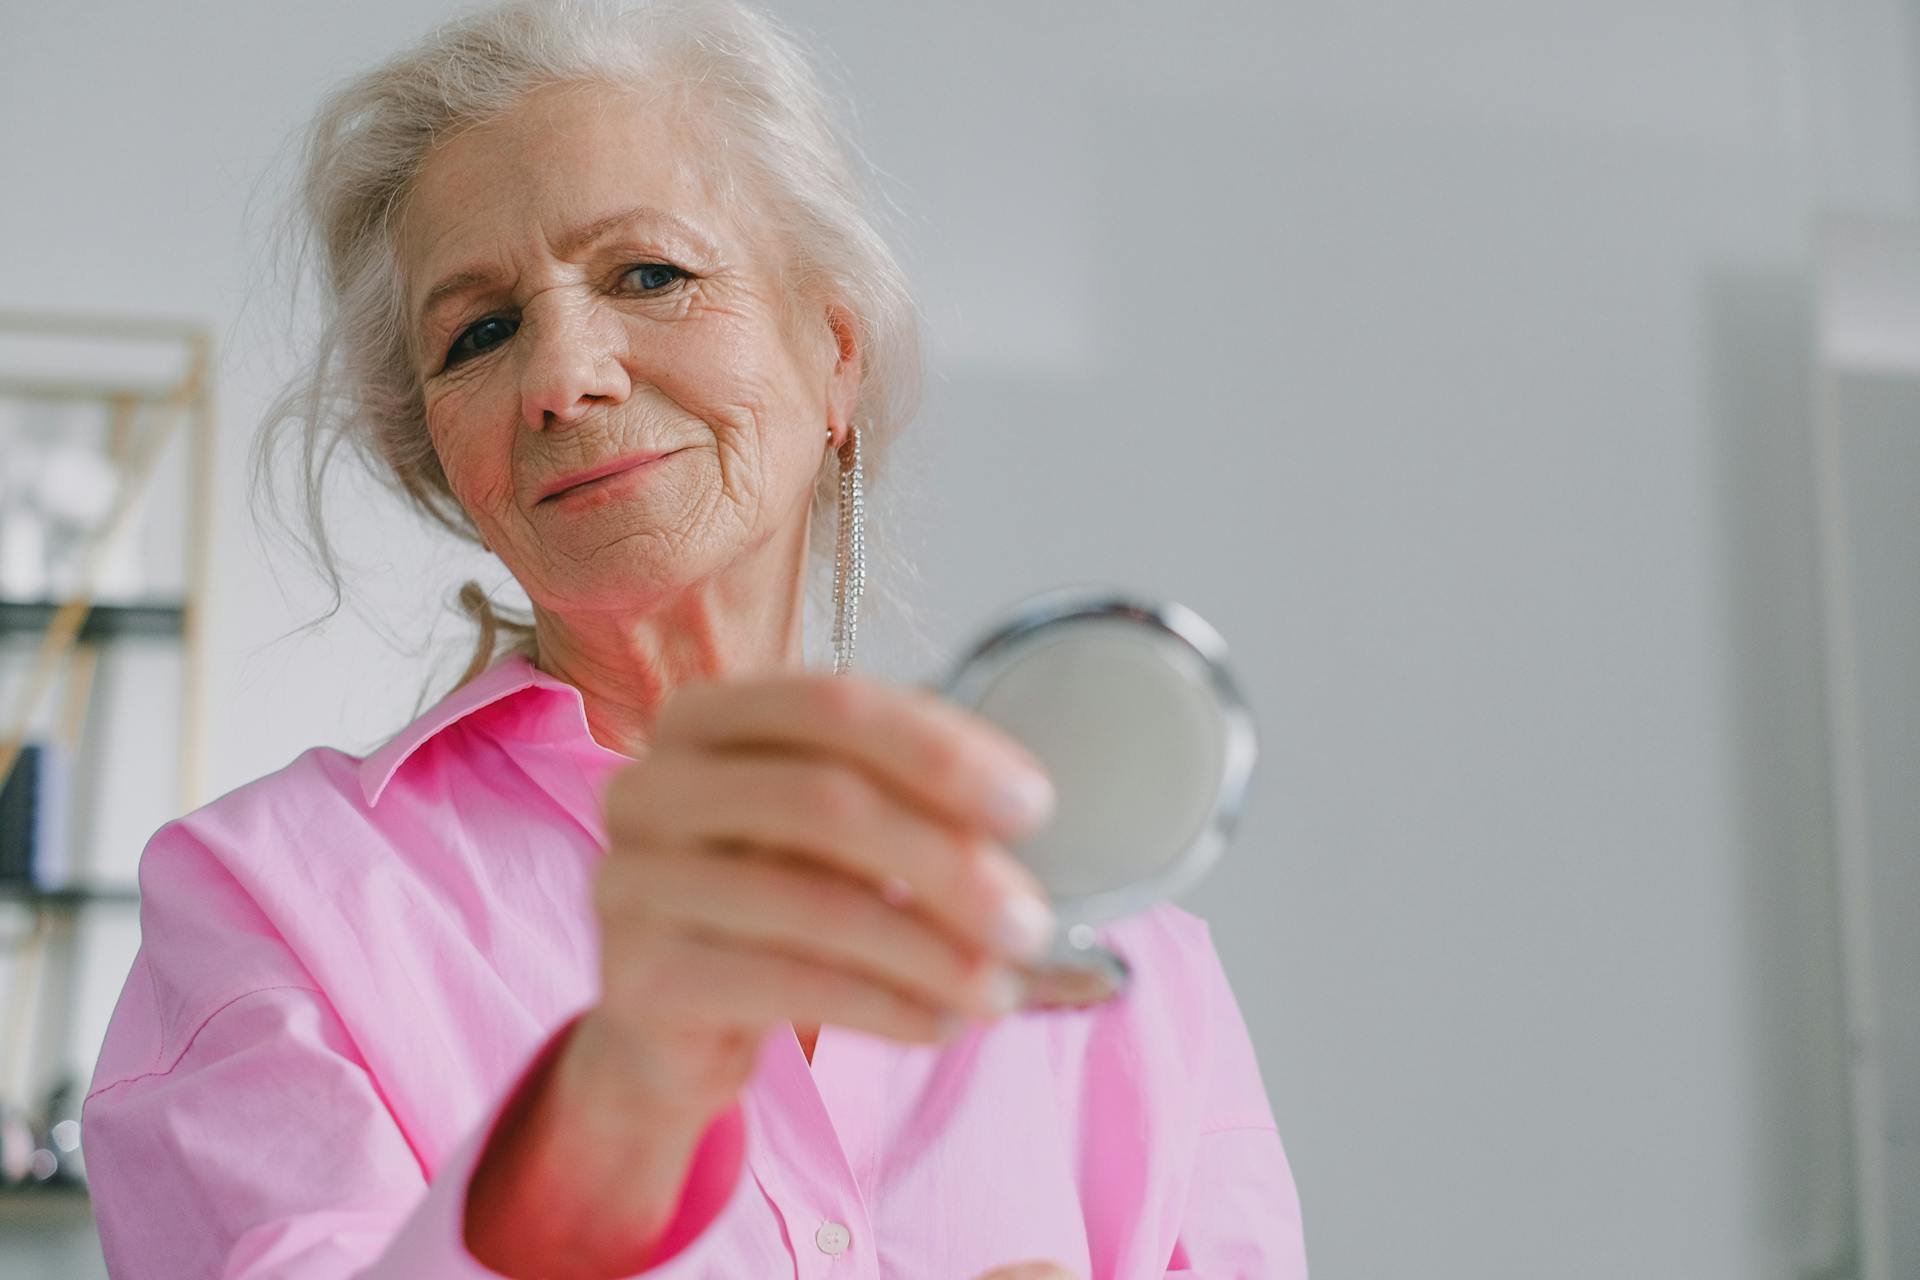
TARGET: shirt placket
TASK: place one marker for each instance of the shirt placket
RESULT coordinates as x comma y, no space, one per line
850,1073
796,1154
803,1167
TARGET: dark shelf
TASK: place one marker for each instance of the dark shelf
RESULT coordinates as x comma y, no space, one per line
57,1190
44,1206
161,618
68,898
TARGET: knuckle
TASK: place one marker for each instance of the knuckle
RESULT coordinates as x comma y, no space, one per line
827,993
649,975
838,801
619,887
958,853
902,1012
812,987
841,911
945,763
886,1006
846,701
945,973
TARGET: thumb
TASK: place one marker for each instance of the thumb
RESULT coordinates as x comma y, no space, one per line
1034,1270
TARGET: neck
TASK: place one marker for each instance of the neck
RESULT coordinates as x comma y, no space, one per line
746,618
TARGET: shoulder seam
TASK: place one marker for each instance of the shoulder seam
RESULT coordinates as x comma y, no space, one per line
153,992
1255,1126
195,1034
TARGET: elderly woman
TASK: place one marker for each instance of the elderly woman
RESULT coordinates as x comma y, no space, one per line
646,951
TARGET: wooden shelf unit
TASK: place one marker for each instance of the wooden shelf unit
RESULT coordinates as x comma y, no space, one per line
144,414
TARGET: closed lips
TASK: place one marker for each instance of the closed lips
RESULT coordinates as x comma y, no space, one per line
601,472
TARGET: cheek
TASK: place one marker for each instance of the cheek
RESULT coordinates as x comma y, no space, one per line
746,386
707,373
475,450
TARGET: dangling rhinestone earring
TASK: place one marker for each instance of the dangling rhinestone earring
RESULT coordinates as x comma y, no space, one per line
850,559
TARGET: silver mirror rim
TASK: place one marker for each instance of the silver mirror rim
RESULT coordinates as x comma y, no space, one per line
997,649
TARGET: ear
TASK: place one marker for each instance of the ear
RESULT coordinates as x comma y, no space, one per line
843,378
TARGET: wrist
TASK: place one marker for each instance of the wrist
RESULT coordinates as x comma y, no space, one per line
601,1073
577,1167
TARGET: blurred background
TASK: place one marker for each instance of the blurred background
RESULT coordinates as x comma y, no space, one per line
1529,390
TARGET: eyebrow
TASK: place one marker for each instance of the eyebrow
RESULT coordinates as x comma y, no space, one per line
567,245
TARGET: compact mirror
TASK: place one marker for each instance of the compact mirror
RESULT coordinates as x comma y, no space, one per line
1131,709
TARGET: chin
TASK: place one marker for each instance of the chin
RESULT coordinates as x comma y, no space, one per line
624,574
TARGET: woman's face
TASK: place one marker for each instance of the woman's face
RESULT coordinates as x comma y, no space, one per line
577,302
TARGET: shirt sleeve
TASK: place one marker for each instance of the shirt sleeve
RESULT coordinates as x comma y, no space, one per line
266,1151
1242,1216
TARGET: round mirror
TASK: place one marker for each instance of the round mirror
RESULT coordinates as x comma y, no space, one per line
1150,746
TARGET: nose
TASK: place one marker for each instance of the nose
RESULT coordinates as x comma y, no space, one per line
570,362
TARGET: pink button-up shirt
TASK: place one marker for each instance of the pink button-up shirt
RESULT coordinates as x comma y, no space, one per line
348,967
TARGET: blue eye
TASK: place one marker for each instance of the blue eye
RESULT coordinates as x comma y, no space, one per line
659,273
460,350
652,277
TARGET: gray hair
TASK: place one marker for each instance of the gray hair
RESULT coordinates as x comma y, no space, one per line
747,90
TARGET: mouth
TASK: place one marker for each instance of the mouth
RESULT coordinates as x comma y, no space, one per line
579,480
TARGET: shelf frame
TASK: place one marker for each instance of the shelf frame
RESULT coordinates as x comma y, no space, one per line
145,414
156,618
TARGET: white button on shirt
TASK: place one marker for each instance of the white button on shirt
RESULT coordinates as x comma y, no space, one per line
832,1238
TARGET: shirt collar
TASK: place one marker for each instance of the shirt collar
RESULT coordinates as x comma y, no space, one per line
506,678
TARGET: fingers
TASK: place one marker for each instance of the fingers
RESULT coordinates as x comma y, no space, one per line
802,909
823,849
964,882
935,754
696,981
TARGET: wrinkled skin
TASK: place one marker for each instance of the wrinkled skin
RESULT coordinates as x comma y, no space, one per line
663,334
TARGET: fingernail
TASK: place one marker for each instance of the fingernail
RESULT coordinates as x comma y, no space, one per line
1023,801
952,1025
1005,991
1023,926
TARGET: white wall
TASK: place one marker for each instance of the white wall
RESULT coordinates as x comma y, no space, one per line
1450,357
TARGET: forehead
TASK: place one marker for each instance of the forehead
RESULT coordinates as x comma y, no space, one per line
559,160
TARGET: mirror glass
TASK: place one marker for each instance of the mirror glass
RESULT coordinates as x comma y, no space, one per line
1131,709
